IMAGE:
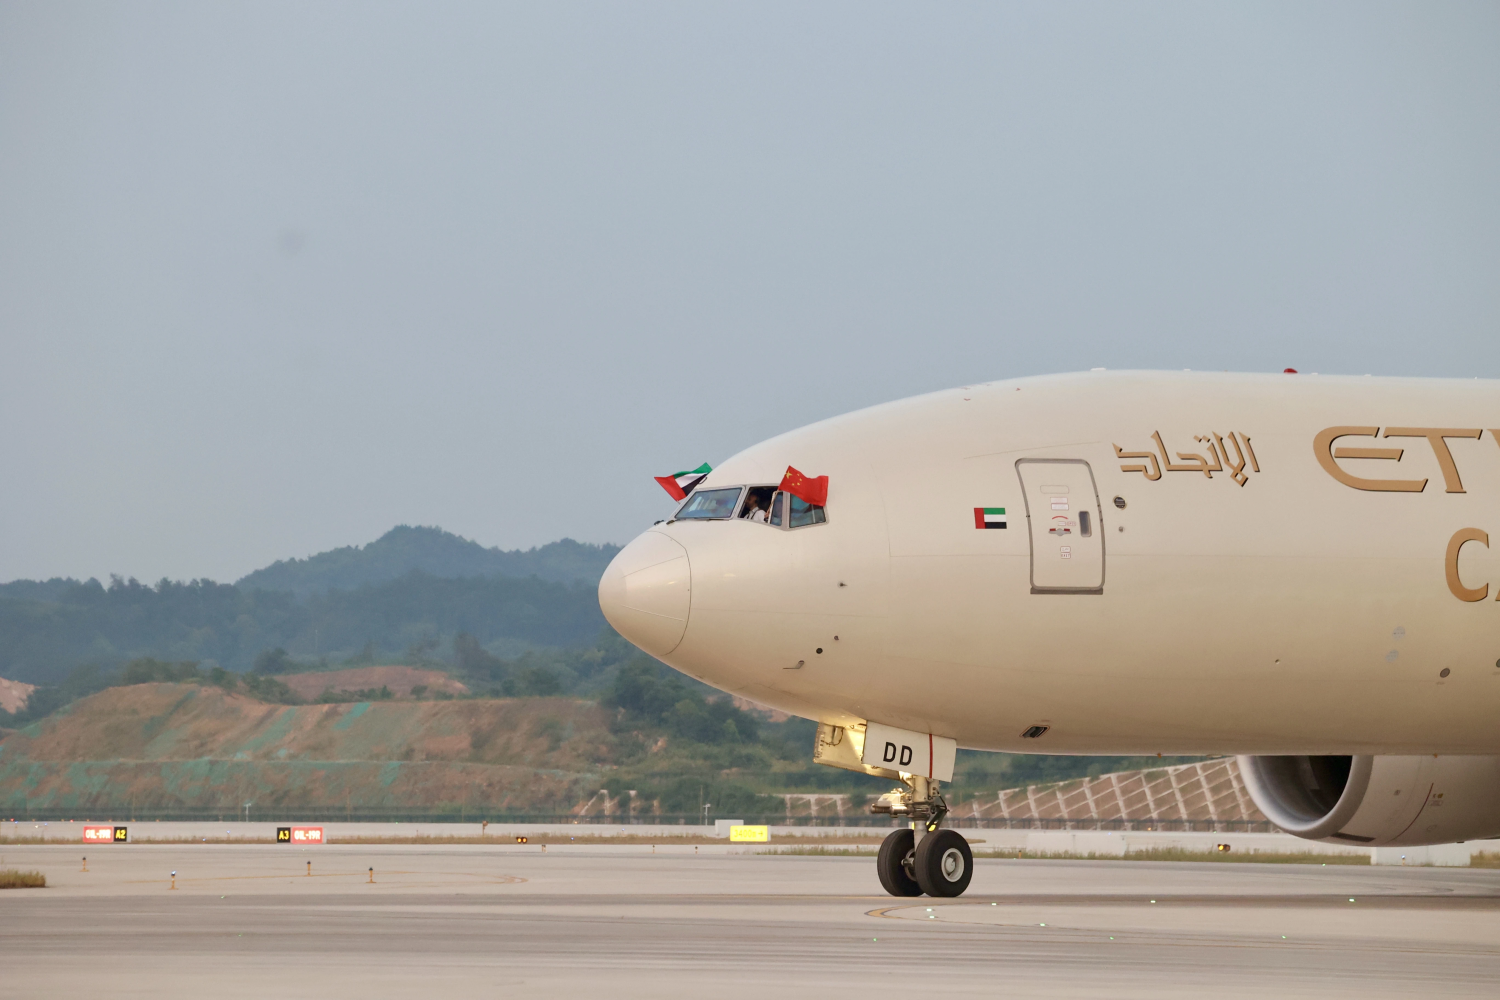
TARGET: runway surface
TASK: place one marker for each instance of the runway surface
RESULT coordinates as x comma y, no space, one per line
248,921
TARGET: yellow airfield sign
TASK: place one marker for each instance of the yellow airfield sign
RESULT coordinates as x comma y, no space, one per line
749,834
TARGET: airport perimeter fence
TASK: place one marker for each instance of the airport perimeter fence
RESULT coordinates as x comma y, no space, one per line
335,815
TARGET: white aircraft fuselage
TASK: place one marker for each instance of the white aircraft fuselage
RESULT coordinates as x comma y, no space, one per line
1191,563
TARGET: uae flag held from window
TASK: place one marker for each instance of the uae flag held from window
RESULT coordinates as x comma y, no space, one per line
680,484
989,517
813,490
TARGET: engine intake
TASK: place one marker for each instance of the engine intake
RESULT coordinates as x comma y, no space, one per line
1385,800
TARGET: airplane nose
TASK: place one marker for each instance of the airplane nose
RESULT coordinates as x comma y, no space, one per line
646,591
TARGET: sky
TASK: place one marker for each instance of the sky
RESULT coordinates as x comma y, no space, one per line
275,277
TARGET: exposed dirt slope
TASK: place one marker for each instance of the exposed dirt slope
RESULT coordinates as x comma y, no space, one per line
14,694
164,745
152,722
400,680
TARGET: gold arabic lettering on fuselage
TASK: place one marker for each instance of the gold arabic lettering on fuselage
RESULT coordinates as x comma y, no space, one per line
1217,460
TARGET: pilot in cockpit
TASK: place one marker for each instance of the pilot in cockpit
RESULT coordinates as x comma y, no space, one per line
757,499
753,510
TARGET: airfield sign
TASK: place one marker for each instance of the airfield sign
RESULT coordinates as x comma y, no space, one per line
96,834
303,835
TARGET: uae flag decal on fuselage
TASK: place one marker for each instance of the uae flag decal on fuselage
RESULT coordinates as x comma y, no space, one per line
989,517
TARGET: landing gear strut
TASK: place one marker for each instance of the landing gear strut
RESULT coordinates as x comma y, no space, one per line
924,858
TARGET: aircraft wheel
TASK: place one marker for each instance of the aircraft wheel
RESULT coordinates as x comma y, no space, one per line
943,863
893,863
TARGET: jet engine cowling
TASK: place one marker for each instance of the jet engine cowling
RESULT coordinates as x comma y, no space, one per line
1378,800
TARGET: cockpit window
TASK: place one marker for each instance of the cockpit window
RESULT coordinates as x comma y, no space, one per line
709,504
757,503
804,513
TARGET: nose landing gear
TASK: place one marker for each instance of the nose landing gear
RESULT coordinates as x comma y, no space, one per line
922,858
925,858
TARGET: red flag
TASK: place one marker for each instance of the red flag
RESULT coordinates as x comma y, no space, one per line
814,491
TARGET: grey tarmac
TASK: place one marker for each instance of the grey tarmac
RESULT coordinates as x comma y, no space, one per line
620,921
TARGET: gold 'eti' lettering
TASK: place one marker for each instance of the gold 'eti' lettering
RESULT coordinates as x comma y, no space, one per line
1327,456
1460,538
1437,439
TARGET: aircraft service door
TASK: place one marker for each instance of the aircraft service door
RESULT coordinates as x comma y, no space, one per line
1062,514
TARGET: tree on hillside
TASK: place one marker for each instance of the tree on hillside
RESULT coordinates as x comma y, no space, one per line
531,682
655,697
476,661
149,671
421,652
275,661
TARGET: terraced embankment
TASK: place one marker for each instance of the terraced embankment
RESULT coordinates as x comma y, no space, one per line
187,747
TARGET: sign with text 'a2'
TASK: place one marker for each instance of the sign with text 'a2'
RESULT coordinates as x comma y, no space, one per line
105,834
915,753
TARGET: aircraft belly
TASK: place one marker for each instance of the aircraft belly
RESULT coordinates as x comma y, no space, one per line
1188,655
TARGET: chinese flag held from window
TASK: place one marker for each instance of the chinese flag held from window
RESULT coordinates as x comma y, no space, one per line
814,491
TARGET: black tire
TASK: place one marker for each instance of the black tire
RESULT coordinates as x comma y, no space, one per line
943,864
891,863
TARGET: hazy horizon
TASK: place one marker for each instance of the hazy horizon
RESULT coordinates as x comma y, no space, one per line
306,557
275,278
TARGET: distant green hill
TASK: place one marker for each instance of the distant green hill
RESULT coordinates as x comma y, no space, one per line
434,552
42,640
404,597
37,590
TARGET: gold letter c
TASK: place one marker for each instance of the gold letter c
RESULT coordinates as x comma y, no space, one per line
1454,545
